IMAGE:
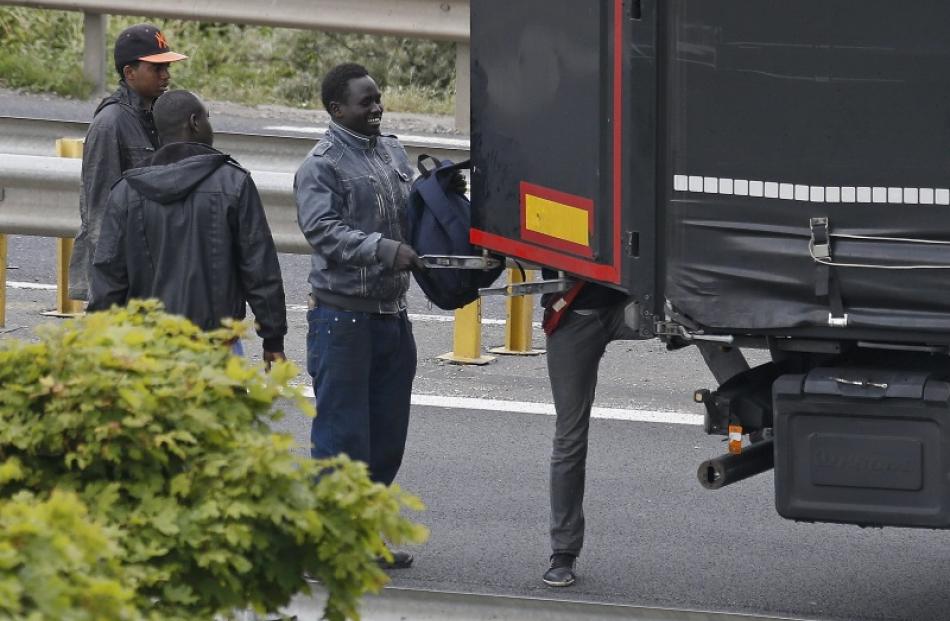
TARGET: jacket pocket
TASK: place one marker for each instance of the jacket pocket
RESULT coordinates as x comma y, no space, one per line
362,202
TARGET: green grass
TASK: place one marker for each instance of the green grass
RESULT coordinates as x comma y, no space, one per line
42,52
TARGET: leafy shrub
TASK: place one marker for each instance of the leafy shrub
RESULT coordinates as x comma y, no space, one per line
56,565
426,67
232,62
166,437
42,51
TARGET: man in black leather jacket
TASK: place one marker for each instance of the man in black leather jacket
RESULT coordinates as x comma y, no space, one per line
121,136
190,230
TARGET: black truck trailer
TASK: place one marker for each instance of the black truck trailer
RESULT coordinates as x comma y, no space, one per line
755,174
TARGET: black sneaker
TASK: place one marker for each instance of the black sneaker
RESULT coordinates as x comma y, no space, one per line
561,573
401,560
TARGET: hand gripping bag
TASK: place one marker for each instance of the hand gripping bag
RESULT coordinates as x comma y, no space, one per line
439,224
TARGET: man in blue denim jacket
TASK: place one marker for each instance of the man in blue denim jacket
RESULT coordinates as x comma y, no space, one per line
351,205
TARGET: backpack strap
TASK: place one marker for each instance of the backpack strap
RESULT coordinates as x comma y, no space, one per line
449,215
428,164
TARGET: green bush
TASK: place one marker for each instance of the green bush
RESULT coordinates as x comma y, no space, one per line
166,437
42,51
56,564
232,62
426,68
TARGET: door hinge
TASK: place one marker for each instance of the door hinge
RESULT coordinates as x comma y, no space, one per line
631,243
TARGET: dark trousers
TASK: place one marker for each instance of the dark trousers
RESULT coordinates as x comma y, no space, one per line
362,365
574,352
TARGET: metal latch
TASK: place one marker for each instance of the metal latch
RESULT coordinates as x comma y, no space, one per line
820,239
860,383
671,328
529,288
838,322
459,262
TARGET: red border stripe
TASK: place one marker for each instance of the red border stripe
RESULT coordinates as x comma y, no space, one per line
544,256
618,132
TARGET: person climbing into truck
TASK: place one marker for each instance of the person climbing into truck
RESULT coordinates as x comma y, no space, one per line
578,324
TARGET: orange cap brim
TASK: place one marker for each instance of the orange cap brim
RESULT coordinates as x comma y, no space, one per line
167,57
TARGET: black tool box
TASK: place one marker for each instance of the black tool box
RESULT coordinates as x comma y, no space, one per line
870,447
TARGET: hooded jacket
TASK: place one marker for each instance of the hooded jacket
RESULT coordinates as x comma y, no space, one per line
351,196
121,136
190,230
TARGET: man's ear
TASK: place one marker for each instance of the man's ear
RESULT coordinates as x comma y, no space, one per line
127,72
193,123
334,109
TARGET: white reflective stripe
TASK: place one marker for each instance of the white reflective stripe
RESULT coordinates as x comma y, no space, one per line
811,193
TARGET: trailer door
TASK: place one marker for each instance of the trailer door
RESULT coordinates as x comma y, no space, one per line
563,136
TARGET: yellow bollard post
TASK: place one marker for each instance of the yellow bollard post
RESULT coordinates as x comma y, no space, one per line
69,147
3,280
518,339
467,337
64,306
65,147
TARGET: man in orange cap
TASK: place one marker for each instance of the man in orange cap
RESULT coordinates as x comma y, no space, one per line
122,135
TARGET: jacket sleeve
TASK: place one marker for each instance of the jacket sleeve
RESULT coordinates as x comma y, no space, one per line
259,268
109,277
320,209
101,168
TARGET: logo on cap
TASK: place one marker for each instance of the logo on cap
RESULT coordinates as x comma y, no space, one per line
160,39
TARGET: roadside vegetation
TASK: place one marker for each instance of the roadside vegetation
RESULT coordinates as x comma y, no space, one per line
42,52
141,479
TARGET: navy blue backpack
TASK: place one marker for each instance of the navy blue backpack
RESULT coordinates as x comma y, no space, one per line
439,224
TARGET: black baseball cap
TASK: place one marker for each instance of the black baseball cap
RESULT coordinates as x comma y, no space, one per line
143,42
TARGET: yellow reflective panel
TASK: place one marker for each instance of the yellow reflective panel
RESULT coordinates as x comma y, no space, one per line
557,220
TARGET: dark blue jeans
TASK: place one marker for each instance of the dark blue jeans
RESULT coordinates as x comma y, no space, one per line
362,365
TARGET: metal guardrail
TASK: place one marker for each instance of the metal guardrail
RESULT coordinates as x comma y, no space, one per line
426,19
394,604
265,152
40,196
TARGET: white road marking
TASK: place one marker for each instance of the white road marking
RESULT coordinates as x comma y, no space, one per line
300,308
528,407
489,405
31,285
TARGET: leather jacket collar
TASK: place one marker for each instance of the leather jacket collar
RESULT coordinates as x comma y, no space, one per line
351,138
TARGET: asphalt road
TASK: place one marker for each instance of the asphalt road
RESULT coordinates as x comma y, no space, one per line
654,536
226,117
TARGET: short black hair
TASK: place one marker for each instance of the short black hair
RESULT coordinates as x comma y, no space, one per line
172,111
336,81
121,70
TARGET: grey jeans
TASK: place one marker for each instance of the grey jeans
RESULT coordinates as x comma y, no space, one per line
574,352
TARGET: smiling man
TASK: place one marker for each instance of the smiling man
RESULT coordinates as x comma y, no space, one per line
351,205
122,135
